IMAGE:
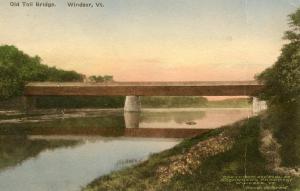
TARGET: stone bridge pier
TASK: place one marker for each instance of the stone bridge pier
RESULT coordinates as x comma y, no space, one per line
132,104
258,105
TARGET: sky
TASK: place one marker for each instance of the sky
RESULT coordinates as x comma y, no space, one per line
152,40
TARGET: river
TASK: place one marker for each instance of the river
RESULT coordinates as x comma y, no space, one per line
66,151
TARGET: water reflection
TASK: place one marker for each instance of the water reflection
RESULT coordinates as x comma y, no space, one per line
16,149
185,118
166,116
132,119
65,152
66,168
150,123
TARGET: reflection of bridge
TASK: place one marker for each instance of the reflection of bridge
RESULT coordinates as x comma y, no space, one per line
128,132
130,128
134,89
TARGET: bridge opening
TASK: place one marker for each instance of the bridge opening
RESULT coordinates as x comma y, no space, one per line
136,103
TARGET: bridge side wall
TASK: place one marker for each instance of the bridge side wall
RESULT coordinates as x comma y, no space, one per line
132,103
223,90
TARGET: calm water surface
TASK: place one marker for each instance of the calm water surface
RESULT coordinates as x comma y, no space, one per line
69,168
201,118
62,152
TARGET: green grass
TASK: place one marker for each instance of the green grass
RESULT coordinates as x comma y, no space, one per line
192,101
206,177
285,123
142,176
230,163
230,103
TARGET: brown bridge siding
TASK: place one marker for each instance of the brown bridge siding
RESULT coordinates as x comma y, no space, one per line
146,89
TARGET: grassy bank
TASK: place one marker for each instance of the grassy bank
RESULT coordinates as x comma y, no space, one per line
192,101
230,103
240,158
65,102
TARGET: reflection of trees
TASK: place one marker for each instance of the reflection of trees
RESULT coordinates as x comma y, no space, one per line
16,149
103,125
80,102
173,101
177,116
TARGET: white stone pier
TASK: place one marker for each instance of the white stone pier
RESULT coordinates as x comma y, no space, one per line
258,105
132,104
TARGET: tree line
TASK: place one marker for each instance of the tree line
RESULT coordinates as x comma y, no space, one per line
17,68
282,93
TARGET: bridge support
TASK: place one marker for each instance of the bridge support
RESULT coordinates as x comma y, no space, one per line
132,104
258,105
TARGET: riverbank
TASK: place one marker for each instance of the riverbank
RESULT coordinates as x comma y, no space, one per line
217,160
108,102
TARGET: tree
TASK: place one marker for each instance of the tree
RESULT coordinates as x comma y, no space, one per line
17,68
108,78
282,80
282,91
105,78
96,78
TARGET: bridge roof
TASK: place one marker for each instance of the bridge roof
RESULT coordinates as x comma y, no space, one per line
154,83
195,88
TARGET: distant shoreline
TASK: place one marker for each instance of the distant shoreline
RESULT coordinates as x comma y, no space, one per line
146,109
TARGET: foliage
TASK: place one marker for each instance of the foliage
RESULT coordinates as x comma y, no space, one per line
173,101
282,91
285,123
80,102
192,101
208,175
105,78
142,176
230,103
17,68
282,80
